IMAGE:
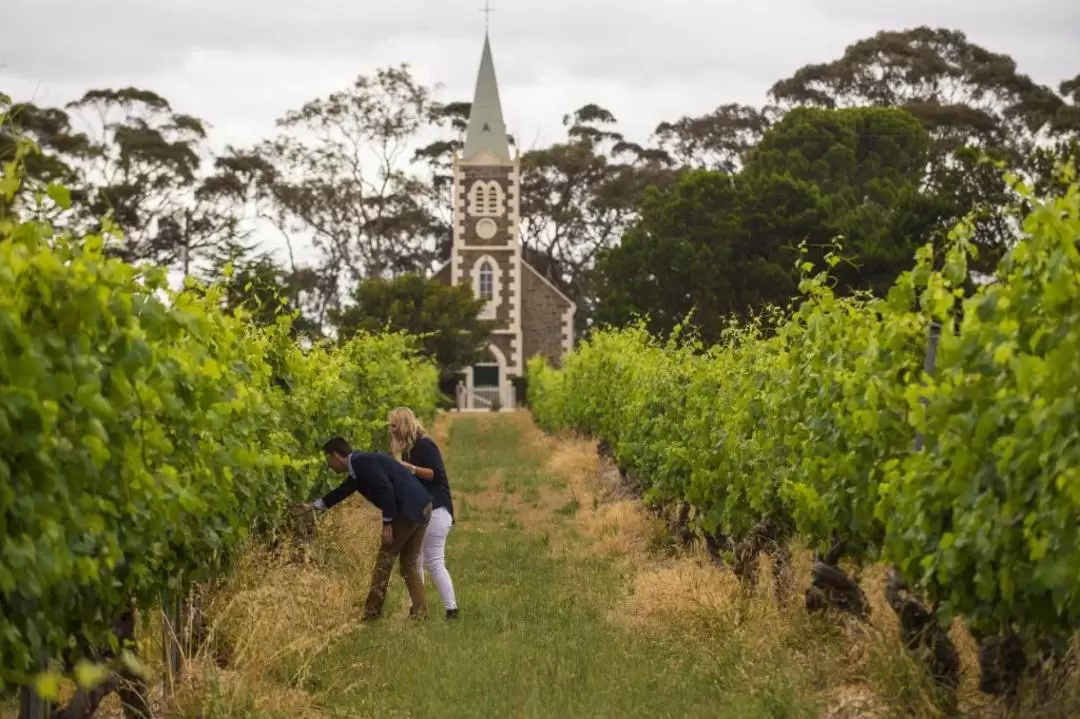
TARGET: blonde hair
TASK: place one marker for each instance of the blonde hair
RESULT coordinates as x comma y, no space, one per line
405,429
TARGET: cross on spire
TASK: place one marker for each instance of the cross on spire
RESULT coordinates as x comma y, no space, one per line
487,10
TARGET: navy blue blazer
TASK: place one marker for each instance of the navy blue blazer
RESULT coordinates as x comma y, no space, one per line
383,481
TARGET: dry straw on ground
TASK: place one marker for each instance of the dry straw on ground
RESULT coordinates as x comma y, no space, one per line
686,588
273,620
864,668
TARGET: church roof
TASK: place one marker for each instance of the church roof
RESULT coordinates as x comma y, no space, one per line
486,131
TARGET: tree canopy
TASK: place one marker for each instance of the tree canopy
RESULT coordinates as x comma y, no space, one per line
887,145
445,319
727,244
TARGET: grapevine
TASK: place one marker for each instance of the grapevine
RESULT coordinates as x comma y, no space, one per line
146,433
809,423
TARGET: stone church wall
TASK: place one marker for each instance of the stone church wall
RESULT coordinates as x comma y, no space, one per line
506,222
503,342
443,275
542,324
503,261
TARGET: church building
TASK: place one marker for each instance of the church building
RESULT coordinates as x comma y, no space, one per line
532,316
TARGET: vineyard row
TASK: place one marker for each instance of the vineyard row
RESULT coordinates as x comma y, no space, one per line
146,434
824,423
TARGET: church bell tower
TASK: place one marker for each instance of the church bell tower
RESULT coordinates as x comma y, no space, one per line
486,252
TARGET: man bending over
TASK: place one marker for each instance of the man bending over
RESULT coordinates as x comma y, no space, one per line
406,509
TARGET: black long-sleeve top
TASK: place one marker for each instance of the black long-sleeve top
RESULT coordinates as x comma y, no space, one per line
425,453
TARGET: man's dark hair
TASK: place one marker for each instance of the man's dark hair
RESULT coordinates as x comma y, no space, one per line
337,445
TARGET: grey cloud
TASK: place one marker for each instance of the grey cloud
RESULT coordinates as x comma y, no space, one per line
156,35
682,41
646,61
1031,22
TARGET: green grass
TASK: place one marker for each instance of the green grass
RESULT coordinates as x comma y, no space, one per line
559,618
534,638
552,622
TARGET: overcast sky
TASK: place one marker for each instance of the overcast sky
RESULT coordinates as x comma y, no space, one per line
239,64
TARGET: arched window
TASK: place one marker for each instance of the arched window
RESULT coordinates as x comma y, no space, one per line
487,290
486,199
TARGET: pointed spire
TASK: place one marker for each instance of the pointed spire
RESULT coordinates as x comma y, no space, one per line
486,131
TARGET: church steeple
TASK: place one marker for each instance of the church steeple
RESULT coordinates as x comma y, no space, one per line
486,131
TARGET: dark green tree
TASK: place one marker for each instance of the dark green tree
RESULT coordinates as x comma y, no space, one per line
580,195
717,244
59,149
255,282
963,93
445,318
144,167
718,140
867,167
726,245
974,103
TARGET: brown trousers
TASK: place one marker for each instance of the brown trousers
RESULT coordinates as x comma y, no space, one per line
405,546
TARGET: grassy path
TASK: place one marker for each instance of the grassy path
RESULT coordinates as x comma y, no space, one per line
574,604
540,634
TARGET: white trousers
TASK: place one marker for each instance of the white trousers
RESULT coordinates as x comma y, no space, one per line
433,555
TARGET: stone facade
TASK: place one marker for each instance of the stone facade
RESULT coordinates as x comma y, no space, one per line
544,321
471,262
443,274
488,198
532,317
502,342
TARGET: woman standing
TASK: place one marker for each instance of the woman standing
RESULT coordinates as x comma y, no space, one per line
421,456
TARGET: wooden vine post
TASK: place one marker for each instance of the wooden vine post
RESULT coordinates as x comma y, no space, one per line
32,705
920,630
929,365
172,634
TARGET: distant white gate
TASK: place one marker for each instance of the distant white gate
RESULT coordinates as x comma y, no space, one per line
484,399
